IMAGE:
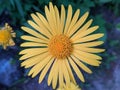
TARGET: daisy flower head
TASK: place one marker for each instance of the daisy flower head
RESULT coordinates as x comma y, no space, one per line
6,35
71,86
59,44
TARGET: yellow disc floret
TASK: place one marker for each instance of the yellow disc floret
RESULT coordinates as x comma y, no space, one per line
4,36
60,46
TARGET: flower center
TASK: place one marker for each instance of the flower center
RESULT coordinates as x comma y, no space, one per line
4,36
60,46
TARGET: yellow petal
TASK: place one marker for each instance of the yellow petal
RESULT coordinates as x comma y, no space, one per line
65,73
55,76
53,16
77,71
89,38
36,27
81,65
32,44
32,52
89,44
43,30
61,81
31,38
89,50
57,20
13,34
45,70
34,60
84,31
89,61
62,18
78,24
38,67
88,55
49,18
69,17
70,71
51,72
34,33
11,42
74,19
4,46
45,22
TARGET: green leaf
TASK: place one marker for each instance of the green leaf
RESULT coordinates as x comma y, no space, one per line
19,33
43,1
88,3
12,3
98,20
105,1
114,43
19,7
118,26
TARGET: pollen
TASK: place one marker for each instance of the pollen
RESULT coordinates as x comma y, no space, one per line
60,46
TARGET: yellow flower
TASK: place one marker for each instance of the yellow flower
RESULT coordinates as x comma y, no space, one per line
59,43
71,86
6,34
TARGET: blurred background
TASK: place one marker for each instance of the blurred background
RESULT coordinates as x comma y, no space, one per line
105,13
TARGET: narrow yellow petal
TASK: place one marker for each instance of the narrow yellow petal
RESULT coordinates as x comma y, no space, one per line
77,71
4,46
61,81
84,31
65,73
13,34
53,16
43,30
89,38
32,52
45,22
81,65
86,26
33,39
57,20
45,70
32,44
50,76
89,50
38,67
55,76
78,24
74,20
34,60
50,20
89,44
89,61
34,33
88,55
69,17
11,42
37,28
70,71
62,18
